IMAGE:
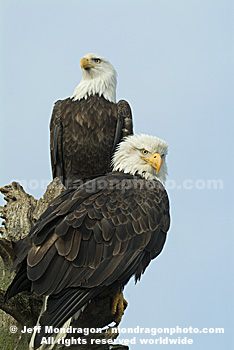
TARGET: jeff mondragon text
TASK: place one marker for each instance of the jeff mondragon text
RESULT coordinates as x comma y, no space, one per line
135,330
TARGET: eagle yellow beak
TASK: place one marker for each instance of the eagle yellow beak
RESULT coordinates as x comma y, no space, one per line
155,161
85,63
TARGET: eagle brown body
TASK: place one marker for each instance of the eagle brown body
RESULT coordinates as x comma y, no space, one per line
83,136
89,241
97,234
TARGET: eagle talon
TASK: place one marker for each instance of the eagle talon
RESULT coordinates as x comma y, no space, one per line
119,304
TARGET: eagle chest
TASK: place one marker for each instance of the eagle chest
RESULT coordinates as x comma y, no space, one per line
88,122
88,134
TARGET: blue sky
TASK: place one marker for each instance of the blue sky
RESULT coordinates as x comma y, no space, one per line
174,60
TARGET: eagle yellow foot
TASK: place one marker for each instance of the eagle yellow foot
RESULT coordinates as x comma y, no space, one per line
118,306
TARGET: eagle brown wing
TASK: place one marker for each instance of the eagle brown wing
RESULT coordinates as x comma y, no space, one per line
83,135
56,141
124,126
91,238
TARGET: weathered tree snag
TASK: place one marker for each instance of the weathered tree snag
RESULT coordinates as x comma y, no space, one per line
20,214
23,210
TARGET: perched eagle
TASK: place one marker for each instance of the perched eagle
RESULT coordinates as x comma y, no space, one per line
85,128
96,235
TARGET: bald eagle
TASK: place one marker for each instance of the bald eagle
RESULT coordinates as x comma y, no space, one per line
89,118
97,234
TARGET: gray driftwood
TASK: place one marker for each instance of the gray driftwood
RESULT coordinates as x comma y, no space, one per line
19,215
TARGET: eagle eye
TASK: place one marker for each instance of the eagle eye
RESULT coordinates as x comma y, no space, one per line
144,151
97,60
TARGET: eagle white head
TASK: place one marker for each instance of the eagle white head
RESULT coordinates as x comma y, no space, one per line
143,155
98,77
